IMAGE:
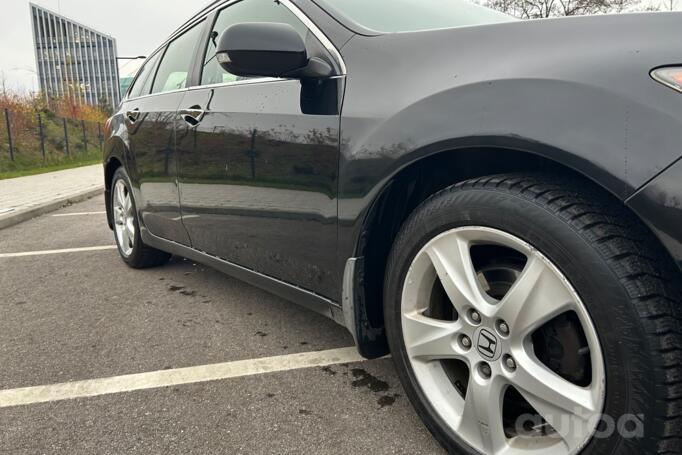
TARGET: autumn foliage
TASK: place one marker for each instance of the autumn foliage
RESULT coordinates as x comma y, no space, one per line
28,105
70,131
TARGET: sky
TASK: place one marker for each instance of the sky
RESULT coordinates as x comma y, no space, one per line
139,26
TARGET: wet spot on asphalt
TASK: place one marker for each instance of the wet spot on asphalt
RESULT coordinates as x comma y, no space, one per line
387,400
183,290
365,379
328,370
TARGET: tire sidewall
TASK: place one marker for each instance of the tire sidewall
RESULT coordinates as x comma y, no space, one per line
614,317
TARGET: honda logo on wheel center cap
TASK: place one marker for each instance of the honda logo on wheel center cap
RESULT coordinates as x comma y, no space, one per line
487,344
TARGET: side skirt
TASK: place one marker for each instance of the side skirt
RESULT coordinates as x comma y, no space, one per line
282,289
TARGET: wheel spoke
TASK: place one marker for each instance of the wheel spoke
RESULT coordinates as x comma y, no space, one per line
571,428
128,205
430,339
118,215
450,255
537,296
554,396
120,194
125,237
130,230
482,415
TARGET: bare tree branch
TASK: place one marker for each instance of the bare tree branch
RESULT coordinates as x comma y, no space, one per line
535,9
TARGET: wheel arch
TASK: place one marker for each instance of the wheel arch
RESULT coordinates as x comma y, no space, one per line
409,186
114,158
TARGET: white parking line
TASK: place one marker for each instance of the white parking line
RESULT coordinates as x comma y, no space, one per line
165,378
66,250
58,215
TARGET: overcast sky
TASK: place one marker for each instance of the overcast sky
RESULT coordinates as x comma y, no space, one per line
139,26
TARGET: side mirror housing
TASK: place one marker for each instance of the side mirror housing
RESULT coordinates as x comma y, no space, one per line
262,49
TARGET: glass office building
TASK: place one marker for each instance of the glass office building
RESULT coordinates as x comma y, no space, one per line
74,60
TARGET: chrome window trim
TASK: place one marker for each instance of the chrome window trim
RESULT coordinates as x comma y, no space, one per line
177,90
301,16
255,80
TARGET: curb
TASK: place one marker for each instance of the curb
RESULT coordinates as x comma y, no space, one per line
32,212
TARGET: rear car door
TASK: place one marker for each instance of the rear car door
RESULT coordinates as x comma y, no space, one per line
258,167
151,120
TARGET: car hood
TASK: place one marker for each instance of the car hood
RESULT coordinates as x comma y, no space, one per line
589,49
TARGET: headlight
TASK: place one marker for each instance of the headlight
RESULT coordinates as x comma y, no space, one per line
670,76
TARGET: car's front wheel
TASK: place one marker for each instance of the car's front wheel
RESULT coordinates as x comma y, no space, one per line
132,249
533,315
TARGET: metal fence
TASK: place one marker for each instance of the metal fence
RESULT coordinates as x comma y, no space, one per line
33,137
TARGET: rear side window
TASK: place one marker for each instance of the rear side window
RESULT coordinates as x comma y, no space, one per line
175,64
146,76
244,11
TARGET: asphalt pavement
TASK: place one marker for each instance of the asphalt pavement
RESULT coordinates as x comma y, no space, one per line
84,316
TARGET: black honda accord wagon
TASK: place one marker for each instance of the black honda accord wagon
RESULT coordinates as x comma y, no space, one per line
496,203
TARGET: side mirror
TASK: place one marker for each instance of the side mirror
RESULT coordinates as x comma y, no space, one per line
262,49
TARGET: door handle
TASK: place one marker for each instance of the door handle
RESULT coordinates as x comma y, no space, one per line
133,115
193,115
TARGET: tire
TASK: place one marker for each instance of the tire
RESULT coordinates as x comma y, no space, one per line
624,281
134,253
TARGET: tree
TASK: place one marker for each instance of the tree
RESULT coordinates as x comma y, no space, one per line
669,5
535,9
664,5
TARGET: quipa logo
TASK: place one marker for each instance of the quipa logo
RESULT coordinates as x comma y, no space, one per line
487,344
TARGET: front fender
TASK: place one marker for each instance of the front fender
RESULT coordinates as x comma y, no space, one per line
615,140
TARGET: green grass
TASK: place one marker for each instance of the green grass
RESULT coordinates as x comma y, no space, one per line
42,169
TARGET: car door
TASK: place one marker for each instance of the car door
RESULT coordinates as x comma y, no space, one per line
259,161
151,119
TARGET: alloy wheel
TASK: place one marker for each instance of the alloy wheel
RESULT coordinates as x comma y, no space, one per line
501,345
124,218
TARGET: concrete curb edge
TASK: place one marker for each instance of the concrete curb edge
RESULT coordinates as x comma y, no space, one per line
32,212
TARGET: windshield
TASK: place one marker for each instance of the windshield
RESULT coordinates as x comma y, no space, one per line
412,15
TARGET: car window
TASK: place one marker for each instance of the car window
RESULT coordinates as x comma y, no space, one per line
144,80
244,11
147,87
175,64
